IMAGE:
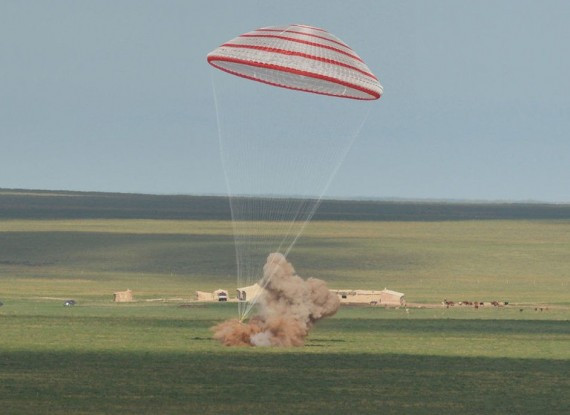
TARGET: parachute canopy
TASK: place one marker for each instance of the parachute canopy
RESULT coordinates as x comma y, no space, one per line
299,57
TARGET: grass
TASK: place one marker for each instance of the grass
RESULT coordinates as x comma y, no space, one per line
518,261
99,326
151,383
158,358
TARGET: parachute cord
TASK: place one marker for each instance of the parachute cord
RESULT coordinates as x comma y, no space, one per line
265,222
312,211
264,210
331,177
228,187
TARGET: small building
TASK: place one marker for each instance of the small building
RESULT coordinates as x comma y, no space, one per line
218,295
390,297
373,297
249,293
123,296
204,296
358,296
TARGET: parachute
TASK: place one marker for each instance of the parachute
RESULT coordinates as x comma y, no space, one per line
298,57
280,148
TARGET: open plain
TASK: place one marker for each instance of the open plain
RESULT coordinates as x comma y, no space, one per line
156,355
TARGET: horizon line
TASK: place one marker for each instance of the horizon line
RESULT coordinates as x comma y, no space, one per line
394,199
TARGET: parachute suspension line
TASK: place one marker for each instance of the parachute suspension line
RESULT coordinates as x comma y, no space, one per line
222,156
275,182
330,179
251,217
268,208
312,205
304,212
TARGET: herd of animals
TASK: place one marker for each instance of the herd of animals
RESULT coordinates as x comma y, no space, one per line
476,304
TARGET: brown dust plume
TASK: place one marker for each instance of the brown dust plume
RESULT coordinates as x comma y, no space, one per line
288,308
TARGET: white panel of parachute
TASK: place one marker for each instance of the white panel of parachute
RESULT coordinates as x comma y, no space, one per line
298,57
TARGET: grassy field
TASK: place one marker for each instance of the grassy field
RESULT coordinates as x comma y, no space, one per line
157,357
518,261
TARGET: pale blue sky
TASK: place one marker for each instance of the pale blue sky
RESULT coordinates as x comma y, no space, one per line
117,95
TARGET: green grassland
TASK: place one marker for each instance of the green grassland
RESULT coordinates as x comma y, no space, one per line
157,357
515,261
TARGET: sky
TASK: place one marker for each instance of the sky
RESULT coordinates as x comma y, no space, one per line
117,96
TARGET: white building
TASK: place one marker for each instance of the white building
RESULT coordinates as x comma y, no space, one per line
249,293
373,297
218,295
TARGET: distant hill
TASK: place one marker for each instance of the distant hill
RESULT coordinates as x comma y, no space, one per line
40,204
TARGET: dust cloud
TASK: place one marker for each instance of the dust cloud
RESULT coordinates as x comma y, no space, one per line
288,308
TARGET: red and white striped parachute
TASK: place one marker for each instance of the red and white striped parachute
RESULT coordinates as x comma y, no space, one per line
298,57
